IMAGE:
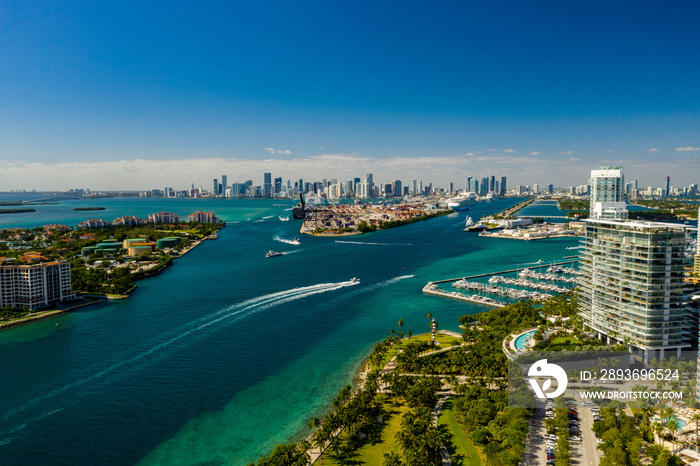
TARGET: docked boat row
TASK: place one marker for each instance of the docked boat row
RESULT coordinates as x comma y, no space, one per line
546,276
564,270
501,291
528,284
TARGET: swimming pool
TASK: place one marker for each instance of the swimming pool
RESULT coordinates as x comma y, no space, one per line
522,341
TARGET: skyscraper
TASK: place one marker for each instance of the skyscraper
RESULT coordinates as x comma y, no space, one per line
278,185
267,184
492,184
631,285
215,189
667,191
503,186
224,184
397,188
468,184
607,198
484,187
550,188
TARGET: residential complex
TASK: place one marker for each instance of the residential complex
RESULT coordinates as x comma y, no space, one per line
35,286
631,288
607,193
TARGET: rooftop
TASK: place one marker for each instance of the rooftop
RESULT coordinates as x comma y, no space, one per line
637,223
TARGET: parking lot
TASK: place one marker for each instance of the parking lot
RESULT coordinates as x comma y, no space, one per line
540,448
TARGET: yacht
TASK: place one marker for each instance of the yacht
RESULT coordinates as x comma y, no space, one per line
470,223
274,254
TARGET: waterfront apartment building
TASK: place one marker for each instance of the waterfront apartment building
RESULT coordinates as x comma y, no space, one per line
164,217
607,194
203,217
35,286
631,287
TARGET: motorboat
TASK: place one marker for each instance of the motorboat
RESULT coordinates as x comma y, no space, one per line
272,253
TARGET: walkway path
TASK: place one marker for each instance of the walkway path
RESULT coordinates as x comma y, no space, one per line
436,413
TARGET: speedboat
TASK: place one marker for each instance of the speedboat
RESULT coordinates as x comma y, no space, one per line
354,281
274,254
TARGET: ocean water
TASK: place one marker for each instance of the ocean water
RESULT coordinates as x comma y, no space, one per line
227,352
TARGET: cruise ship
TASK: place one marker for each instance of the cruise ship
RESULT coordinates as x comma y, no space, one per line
458,203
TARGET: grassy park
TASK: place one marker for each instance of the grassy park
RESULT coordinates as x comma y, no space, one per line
462,452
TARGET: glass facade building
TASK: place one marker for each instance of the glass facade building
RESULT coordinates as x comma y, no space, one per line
631,287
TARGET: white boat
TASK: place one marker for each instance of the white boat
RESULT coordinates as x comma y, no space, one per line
458,203
354,281
470,222
274,254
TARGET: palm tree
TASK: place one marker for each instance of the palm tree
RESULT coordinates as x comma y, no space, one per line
400,323
696,419
673,426
314,423
392,459
647,412
659,429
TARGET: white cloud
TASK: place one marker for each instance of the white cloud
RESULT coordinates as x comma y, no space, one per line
274,151
142,174
687,149
535,153
470,154
509,151
610,150
653,149
566,152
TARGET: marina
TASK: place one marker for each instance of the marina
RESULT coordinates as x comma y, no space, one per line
528,290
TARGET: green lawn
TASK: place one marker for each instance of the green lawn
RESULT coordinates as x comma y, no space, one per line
462,452
380,440
634,406
446,341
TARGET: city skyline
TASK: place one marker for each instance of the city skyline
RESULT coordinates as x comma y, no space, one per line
166,95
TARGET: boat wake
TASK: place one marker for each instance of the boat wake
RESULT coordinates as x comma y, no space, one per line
270,216
295,242
378,285
284,219
373,244
574,247
178,339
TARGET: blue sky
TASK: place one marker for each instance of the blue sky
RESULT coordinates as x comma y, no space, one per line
162,93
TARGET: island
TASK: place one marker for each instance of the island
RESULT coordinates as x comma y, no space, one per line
104,259
356,219
16,211
88,208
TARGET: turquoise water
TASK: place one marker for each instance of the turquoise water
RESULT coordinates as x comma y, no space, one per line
227,353
680,422
520,341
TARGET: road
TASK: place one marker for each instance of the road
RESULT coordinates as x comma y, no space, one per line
588,452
